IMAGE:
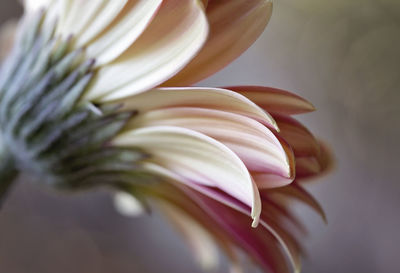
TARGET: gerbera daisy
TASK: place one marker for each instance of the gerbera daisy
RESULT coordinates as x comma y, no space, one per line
86,99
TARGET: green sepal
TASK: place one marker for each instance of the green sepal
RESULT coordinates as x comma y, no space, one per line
48,129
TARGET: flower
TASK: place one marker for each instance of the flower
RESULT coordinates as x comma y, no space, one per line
93,93
123,35
262,165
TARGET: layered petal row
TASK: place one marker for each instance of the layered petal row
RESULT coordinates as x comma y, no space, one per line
232,159
234,27
160,42
225,159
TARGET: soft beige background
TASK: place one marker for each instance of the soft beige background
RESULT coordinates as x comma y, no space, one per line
344,56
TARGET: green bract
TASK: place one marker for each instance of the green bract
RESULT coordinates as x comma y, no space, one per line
46,129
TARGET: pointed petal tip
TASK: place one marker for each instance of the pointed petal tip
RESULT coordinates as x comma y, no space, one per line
298,268
325,161
310,106
256,221
327,157
275,100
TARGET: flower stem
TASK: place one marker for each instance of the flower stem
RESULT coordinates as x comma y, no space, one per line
8,173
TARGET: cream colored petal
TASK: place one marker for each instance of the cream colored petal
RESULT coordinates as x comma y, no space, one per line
268,180
79,14
122,33
195,159
176,34
235,224
255,144
86,19
34,5
234,26
103,17
107,28
209,98
299,137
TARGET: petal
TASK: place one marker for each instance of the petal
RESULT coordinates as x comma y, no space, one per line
77,16
326,158
255,144
268,180
194,158
298,137
311,167
210,98
171,40
34,5
275,100
234,26
122,32
258,243
281,213
287,246
297,192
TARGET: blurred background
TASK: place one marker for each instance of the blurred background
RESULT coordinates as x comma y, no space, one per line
344,56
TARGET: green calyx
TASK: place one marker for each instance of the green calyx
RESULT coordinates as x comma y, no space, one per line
45,127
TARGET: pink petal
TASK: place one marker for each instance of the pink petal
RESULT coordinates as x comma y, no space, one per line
259,243
275,100
255,144
193,158
234,26
201,97
297,192
299,137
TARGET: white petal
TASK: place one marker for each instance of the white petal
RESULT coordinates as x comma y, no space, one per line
118,37
88,17
100,20
255,144
107,28
34,5
196,159
176,34
210,98
213,210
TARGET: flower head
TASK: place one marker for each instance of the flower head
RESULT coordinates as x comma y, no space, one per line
87,99
225,160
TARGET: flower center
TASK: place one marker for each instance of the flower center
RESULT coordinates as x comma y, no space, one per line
46,128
